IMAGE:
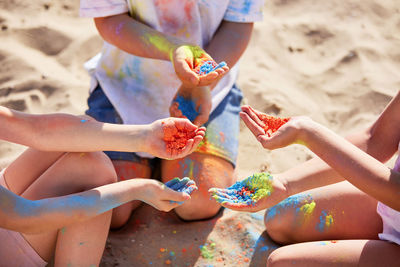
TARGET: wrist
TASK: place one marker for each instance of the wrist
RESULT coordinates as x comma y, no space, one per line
285,183
137,138
306,127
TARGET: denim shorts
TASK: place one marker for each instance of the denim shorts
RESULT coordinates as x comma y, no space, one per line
221,138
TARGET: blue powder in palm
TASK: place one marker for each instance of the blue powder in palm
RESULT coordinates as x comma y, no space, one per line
208,67
187,107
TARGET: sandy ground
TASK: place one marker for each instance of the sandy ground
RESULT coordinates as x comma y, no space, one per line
336,61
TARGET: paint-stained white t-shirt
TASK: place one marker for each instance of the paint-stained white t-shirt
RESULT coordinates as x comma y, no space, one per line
141,89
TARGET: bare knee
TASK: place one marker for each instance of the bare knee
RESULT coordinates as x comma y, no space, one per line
277,227
279,258
95,165
198,209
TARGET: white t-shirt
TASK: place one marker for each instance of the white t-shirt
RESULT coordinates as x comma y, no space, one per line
141,89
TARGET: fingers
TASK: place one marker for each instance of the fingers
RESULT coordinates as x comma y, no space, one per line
174,110
256,129
204,114
253,114
184,124
184,187
230,201
172,182
184,71
277,140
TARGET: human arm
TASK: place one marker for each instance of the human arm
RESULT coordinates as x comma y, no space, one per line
136,38
228,44
28,216
63,132
364,170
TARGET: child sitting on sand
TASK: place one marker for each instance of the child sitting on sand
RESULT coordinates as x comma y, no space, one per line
352,198
58,203
150,68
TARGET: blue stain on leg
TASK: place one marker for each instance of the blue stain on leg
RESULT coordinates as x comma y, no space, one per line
187,107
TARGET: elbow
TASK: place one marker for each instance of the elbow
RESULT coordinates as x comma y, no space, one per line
105,27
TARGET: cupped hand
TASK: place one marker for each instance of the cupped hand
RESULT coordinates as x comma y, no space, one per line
274,132
254,193
187,58
173,138
161,196
185,185
192,103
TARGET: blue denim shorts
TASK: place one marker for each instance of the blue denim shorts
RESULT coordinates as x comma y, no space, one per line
221,138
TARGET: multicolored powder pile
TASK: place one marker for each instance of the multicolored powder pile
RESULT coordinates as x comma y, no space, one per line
175,139
272,124
246,192
208,66
185,185
187,107
207,252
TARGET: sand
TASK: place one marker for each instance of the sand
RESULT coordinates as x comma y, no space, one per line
336,61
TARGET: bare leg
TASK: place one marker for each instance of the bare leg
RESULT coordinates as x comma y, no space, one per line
341,253
338,211
79,244
207,171
127,170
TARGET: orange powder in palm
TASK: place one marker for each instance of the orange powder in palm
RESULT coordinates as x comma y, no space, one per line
175,138
272,124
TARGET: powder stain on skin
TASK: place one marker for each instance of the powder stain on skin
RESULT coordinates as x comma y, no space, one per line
308,208
325,221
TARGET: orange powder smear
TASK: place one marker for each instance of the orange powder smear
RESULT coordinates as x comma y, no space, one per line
272,124
175,139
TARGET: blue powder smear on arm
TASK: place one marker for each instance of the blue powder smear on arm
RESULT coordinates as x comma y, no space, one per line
187,108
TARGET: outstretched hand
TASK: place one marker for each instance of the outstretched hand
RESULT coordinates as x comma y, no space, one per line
273,132
187,60
173,138
254,193
162,197
185,185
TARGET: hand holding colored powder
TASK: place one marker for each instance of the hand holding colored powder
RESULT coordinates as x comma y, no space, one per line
180,134
260,123
192,103
245,194
172,138
208,66
272,124
194,67
185,185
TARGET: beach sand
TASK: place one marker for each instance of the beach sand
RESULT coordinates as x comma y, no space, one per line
337,62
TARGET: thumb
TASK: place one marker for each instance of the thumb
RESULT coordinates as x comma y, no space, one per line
185,73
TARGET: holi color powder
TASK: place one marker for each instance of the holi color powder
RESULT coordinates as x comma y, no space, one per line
248,191
185,185
207,252
175,139
325,221
272,124
291,202
187,107
208,66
